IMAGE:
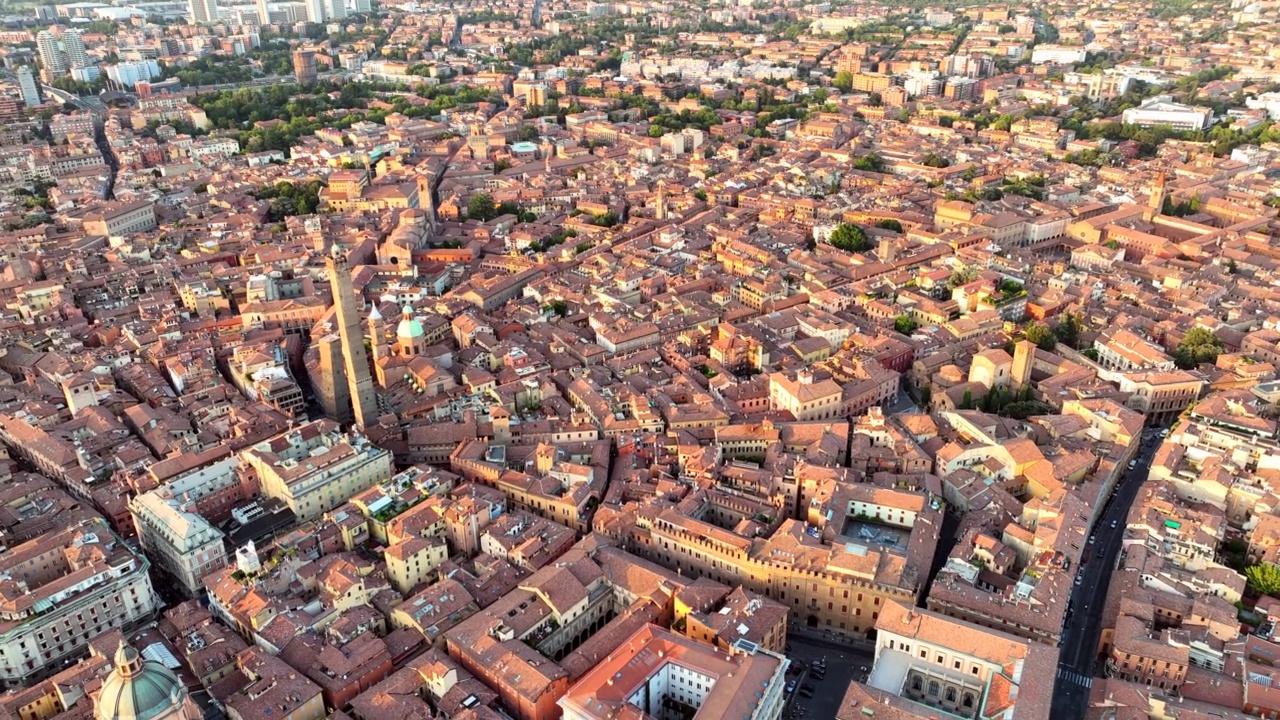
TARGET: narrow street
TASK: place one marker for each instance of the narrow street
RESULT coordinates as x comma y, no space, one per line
1078,658
110,159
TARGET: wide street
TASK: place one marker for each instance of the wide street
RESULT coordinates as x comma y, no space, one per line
845,663
1078,659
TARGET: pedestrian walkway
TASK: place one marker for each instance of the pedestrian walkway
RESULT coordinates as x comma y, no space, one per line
1070,675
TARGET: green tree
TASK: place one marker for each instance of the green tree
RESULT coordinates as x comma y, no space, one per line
935,160
480,206
871,162
889,224
1042,336
850,238
1198,346
843,81
905,325
926,396
288,199
1068,329
1023,409
962,275
1264,578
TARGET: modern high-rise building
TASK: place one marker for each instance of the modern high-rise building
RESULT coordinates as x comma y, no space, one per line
264,13
52,64
337,9
27,81
304,66
203,11
128,74
73,43
316,10
364,403
362,6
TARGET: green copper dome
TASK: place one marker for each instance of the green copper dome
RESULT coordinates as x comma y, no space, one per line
409,328
138,689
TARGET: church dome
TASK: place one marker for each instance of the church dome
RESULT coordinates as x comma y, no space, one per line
139,690
408,327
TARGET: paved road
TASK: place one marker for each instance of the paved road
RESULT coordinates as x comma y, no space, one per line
1078,657
844,664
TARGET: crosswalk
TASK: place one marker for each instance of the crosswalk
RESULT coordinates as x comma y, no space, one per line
1066,673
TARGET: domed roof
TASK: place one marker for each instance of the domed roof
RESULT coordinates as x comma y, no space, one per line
138,689
408,327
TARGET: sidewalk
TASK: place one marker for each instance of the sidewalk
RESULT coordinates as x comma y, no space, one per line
834,639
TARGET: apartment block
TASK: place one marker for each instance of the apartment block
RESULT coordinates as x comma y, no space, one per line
316,467
63,588
181,542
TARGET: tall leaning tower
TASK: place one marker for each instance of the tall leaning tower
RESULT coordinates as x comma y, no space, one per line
363,401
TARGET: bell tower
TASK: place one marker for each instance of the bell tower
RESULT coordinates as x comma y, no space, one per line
1155,203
